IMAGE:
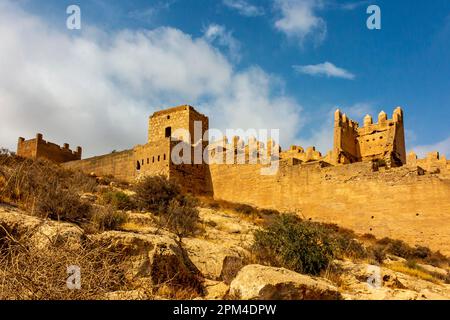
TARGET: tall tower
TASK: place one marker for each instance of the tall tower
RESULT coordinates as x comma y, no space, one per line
182,123
382,141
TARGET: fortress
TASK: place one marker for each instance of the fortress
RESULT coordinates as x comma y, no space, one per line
367,182
39,148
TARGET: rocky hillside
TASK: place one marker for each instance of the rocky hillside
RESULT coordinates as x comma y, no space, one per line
150,241
212,264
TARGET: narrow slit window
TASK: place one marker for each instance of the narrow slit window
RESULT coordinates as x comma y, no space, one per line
168,132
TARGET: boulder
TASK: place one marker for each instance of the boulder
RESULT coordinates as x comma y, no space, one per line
214,260
391,285
39,233
52,233
157,257
215,290
17,224
256,282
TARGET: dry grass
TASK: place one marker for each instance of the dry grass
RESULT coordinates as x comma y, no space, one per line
243,211
44,189
108,218
414,272
31,274
334,274
132,227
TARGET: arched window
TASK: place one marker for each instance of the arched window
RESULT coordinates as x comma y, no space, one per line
138,165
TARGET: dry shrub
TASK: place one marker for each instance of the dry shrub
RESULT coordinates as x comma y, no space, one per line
269,212
81,182
118,199
176,211
108,218
44,188
180,217
245,209
60,204
380,248
154,193
27,273
175,281
345,239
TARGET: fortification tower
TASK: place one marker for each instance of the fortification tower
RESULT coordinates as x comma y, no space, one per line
382,141
182,122
38,148
176,131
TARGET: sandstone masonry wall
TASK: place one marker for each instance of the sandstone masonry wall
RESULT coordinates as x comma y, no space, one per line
39,148
399,202
118,164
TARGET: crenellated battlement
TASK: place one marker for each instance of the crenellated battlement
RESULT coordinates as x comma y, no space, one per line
382,141
362,183
39,148
433,162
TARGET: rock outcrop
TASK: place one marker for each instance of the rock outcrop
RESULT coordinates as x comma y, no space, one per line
256,282
39,233
156,257
213,259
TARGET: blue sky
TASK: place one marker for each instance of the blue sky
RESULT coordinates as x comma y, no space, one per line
296,60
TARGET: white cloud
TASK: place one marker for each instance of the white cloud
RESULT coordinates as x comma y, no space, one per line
244,8
218,34
325,69
353,5
359,110
97,89
149,13
299,19
443,147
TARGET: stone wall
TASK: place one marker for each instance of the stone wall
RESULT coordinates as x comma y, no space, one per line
38,148
433,162
152,158
404,203
118,164
410,202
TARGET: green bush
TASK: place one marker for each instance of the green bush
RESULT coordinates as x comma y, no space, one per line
119,200
154,193
294,244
